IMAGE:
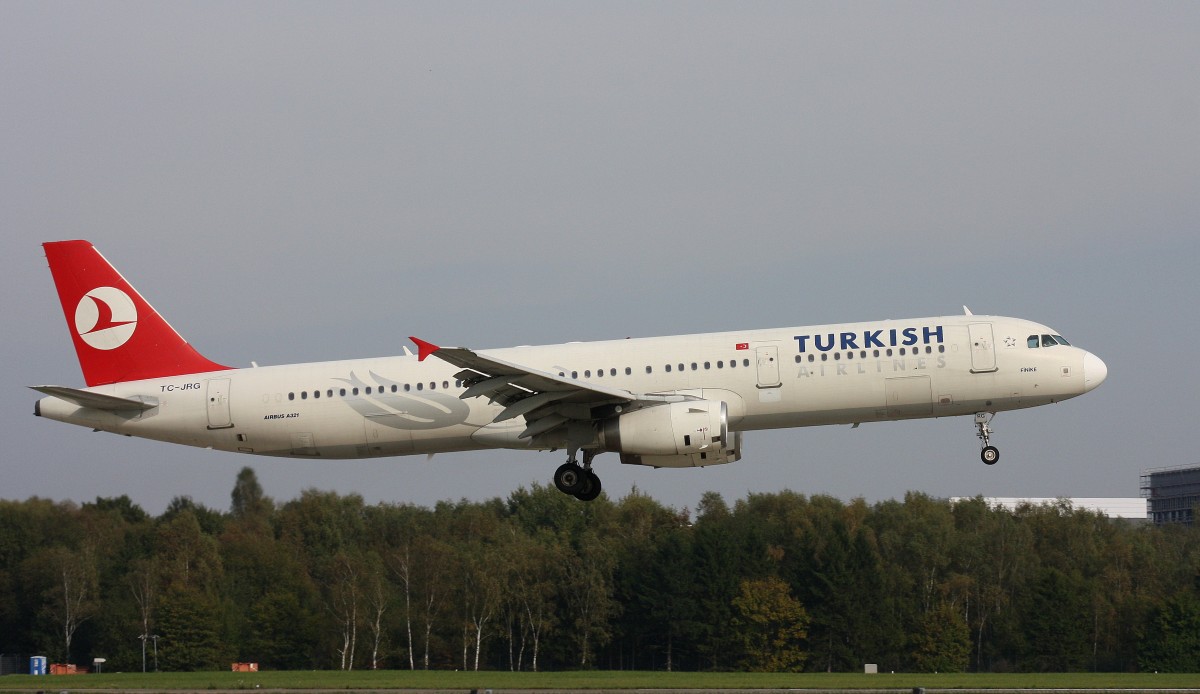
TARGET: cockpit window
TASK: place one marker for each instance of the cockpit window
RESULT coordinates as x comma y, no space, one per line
1036,341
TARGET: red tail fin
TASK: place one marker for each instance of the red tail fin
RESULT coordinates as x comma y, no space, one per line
118,336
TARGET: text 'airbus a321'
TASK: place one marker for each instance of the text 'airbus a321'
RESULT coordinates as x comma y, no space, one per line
679,401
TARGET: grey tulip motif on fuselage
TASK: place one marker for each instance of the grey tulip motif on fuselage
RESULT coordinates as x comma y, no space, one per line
426,409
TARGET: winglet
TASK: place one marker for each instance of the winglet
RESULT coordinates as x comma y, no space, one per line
424,349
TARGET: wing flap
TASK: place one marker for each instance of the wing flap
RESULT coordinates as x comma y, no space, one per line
545,399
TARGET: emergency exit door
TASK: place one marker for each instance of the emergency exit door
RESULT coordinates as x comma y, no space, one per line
768,366
218,404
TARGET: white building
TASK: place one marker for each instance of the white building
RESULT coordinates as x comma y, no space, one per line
1118,507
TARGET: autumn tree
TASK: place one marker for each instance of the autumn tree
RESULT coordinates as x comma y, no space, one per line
772,625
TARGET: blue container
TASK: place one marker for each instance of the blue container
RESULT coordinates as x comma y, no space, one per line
37,665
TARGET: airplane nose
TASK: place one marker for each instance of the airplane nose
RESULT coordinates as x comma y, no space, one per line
1094,372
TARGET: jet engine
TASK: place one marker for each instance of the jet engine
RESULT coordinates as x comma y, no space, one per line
679,434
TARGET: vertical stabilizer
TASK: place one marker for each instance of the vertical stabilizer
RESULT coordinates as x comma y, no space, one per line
118,335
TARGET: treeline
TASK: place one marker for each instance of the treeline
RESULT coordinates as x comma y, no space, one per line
541,581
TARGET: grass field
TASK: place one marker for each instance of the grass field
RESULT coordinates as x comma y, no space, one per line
464,681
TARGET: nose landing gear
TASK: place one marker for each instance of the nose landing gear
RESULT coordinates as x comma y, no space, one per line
990,454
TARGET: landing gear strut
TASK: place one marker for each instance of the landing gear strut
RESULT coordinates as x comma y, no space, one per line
578,480
990,454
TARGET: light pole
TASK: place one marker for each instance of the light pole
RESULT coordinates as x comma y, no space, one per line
143,638
155,637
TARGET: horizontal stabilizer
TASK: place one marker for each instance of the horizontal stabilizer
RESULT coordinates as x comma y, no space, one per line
97,401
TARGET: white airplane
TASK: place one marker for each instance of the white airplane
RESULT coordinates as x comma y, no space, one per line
677,401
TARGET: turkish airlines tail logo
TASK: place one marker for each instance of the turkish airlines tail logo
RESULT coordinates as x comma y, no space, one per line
117,335
105,318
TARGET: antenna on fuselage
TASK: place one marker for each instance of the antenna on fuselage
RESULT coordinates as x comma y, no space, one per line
967,311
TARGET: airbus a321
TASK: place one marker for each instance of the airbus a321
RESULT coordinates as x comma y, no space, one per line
679,401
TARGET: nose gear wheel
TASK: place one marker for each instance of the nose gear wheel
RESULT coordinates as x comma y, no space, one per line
989,454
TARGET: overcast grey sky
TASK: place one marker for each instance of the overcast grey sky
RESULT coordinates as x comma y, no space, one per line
308,181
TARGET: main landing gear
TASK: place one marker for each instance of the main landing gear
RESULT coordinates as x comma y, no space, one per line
576,480
990,454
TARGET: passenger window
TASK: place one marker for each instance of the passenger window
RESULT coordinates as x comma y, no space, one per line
628,371
694,367
613,372
407,387
316,394
304,395
420,386
1032,342
745,362
668,368
291,396
649,369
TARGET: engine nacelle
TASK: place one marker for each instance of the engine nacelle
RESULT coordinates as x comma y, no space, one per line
679,434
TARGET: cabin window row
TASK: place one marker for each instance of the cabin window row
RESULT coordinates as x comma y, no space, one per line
695,366
875,354
369,390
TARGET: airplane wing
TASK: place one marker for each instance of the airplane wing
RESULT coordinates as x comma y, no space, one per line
97,401
545,399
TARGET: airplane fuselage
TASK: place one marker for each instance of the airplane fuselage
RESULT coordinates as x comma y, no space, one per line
790,377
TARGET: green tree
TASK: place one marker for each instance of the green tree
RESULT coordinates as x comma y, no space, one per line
1172,639
281,633
1057,623
942,642
190,627
247,502
67,578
